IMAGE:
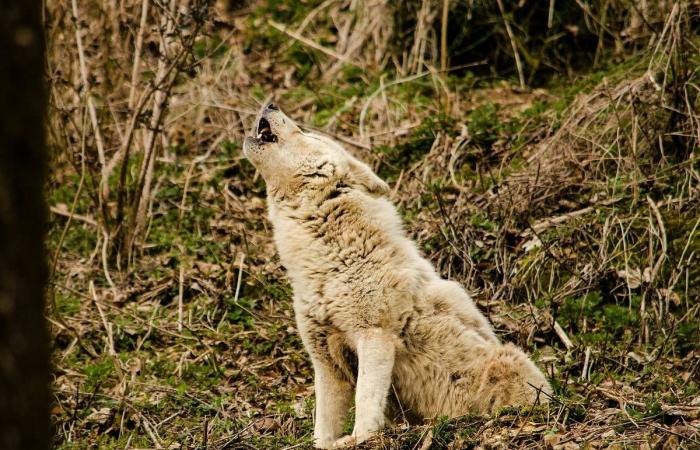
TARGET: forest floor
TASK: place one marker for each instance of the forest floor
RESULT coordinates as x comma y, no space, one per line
570,212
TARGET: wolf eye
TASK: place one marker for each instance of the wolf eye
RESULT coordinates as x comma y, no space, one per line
315,175
322,170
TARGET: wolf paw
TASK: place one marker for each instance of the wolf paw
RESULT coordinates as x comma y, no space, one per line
345,442
350,441
323,443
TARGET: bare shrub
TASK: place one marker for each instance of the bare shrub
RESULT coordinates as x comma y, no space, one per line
110,98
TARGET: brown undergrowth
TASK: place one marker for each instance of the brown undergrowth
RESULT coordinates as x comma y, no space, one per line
564,197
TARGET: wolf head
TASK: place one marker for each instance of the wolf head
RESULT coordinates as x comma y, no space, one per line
295,163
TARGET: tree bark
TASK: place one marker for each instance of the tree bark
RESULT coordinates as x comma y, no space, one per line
24,352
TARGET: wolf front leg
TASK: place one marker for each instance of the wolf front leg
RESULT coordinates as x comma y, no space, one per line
333,397
375,357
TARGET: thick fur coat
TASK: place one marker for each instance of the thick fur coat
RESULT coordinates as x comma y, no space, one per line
379,323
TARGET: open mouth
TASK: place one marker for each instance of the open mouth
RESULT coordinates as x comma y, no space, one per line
265,131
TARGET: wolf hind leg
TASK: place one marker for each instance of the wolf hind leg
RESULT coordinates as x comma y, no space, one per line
510,378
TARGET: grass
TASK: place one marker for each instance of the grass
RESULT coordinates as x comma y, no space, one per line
554,206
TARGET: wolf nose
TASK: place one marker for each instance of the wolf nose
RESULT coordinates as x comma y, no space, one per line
273,107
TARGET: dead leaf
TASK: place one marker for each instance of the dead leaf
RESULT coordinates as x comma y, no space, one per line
632,276
266,425
99,416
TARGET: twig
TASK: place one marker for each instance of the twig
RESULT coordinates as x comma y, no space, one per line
130,314
516,54
443,34
550,222
180,291
587,10
586,362
122,154
240,277
562,336
105,264
63,324
147,426
141,340
365,107
427,440
183,201
72,215
397,185
550,15
137,53
86,83
205,438
310,43
662,237
105,323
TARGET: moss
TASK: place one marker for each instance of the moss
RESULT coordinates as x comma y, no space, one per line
416,146
98,372
443,431
484,124
602,321
68,305
687,336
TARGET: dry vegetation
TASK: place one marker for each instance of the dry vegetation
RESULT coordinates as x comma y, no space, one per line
545,154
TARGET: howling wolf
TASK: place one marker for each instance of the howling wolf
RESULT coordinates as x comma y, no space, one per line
371,311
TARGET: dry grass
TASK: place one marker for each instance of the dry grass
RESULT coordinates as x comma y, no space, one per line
570,210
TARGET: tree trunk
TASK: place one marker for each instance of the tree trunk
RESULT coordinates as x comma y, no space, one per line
24,353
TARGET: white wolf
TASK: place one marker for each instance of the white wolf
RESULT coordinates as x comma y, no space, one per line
373,314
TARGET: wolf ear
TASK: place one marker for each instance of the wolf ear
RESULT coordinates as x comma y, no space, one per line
360,175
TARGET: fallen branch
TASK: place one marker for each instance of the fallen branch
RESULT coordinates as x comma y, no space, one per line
71,215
